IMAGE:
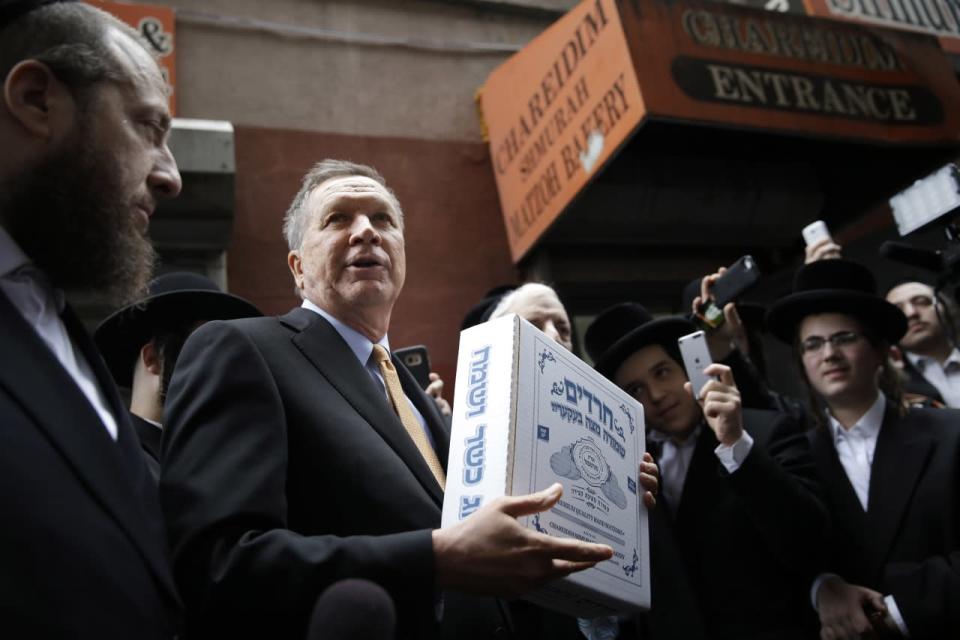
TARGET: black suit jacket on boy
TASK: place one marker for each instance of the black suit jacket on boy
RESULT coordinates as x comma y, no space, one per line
907,542
735,558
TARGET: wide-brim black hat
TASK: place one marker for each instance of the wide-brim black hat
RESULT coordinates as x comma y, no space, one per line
835,286
482,311
619,331
751,313
174,300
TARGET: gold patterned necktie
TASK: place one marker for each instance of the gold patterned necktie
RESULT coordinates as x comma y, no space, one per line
402,408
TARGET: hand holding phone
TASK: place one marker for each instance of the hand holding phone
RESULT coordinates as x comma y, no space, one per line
725,287
816,232
820,244
696,358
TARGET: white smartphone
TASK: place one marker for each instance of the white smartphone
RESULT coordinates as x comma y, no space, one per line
696,358
815,232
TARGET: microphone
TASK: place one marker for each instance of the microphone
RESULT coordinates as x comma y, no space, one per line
352,609
914,256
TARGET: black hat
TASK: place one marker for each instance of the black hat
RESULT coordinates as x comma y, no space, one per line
482,311
835,286
12,10
751,313
174,300
624,328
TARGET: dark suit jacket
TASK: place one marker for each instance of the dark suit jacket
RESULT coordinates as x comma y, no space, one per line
733,560
149,436
908,541
917,383
82,547
284,470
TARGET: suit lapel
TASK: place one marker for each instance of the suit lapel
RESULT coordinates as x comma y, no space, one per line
849,510
702,484
113,472
899,461
323,347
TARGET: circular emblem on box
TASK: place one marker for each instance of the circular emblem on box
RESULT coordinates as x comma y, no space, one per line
590,462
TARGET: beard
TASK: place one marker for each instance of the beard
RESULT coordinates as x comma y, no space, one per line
69,215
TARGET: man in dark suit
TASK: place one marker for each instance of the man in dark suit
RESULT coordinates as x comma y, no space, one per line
930,361
297,452
891,474
82,548
739,519
142,341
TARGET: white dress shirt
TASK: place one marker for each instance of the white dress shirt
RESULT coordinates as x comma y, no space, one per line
944,376
855,448
40,305
363,349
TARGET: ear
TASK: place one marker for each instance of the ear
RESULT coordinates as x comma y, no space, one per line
36,99
296,268
151,358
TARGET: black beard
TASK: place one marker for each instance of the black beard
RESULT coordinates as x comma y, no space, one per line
68,217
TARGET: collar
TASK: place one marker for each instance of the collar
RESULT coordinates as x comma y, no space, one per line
869,423
358,343
921,362
16,265
661,437
12,256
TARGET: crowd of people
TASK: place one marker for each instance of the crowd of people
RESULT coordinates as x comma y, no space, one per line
282,477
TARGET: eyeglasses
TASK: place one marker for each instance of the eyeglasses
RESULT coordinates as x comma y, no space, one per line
814,344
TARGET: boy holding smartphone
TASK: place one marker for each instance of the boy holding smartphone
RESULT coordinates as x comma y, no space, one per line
742,520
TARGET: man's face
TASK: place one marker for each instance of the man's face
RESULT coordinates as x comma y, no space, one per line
352,256
542,309
840,374
918,303
655,379
82,214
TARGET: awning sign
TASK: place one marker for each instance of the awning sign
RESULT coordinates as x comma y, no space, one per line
558,109
556,112
933,17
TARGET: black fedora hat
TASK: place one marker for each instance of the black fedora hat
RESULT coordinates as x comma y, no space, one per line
622,329
482,311
174,300
751,313
835,286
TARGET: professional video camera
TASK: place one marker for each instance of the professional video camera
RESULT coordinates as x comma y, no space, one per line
930,201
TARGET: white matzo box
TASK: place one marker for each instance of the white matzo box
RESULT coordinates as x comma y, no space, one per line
528,413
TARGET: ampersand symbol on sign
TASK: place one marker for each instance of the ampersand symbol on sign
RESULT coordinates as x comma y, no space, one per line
152,30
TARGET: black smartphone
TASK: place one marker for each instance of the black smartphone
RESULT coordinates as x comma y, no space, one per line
417,360
735,281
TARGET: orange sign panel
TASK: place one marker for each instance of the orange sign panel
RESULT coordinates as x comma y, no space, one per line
556,112
157,26
715,63
939,18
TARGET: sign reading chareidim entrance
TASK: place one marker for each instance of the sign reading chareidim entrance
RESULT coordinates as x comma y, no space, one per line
527,414
557,111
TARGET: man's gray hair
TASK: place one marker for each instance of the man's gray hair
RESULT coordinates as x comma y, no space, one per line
70,38
530,287
295,221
